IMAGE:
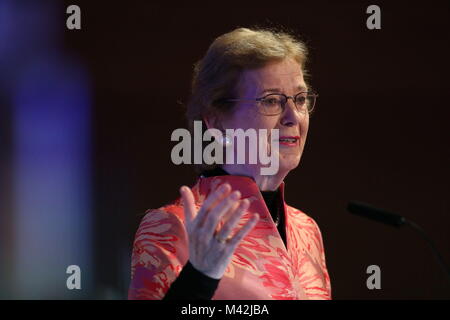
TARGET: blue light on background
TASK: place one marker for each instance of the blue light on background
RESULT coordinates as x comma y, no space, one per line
49,218
52,177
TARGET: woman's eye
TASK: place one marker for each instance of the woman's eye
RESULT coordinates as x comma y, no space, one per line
300,100
271,101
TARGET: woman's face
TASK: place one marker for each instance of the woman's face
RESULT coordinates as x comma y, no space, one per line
277,77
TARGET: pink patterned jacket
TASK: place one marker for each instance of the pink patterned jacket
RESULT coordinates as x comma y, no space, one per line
262,268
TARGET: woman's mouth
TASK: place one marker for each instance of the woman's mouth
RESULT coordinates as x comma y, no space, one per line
290,141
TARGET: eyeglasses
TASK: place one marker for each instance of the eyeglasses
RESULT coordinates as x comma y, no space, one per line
275,103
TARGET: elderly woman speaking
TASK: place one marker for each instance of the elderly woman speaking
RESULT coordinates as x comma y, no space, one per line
232,235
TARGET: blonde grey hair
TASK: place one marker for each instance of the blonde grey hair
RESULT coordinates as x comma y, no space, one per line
217,73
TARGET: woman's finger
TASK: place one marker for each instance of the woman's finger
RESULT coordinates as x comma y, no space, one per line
220,193
234,241
224,233
188,204
229,203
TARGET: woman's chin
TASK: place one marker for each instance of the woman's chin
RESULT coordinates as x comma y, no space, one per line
290,162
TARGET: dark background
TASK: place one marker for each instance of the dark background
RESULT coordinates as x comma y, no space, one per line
379,133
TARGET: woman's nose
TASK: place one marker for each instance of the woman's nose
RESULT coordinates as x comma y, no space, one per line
290,114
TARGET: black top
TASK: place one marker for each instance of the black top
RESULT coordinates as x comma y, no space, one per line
205,287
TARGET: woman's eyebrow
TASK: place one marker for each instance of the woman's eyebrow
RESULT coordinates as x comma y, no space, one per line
271,90
300,88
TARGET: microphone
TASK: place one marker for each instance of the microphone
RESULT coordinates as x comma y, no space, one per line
368,211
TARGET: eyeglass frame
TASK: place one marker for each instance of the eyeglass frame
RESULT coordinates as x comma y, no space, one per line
283,106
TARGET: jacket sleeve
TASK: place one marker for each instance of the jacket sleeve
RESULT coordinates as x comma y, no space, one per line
324,292
159,253
160,269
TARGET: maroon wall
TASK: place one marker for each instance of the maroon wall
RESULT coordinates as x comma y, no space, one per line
379,133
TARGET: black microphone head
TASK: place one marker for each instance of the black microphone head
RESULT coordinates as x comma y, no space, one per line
366,210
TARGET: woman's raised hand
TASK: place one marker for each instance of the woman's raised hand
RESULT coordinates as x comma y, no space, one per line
210,251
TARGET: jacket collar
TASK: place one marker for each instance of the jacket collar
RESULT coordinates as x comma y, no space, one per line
247,187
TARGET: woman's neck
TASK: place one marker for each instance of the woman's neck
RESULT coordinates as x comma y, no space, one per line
264,183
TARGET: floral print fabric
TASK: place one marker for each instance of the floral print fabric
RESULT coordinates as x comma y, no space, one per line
262,267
